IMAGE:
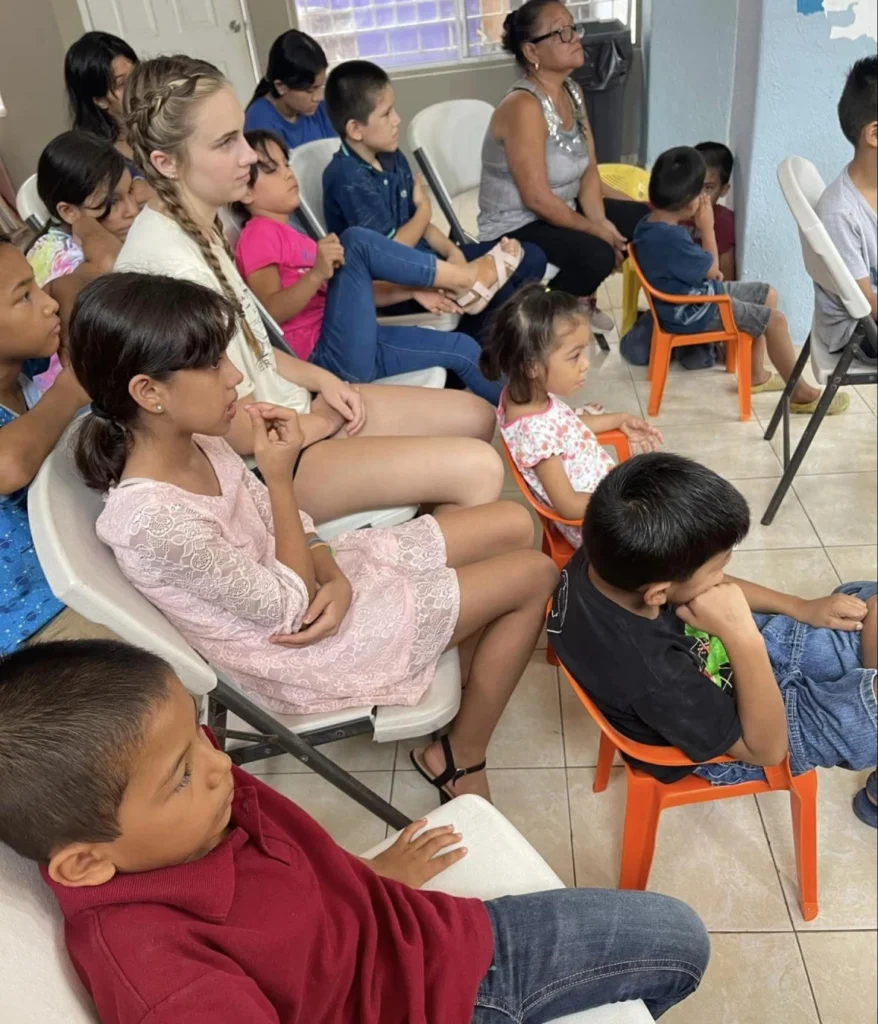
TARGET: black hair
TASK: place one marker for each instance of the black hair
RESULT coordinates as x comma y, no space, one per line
294,59
5,239
658,518
352,92
75,165
72,716
717,157
859,98
520,26
88,75
258,140
677,178
522,334
125,324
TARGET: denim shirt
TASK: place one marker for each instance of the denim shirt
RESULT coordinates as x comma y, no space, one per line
355,194
26,602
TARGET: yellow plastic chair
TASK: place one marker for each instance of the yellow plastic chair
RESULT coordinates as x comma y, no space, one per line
634,182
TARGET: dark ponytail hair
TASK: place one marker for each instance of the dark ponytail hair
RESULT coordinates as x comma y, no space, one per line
258,141
126,324
520,27
88,75
523,334
294,59
74,166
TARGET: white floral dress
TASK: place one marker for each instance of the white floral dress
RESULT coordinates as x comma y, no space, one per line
208,563
556,431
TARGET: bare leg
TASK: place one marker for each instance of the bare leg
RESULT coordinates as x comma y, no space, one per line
781,351
393,410
474,534
507,596
344,475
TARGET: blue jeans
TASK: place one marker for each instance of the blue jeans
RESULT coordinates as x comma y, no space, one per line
353,345
569,950
832,713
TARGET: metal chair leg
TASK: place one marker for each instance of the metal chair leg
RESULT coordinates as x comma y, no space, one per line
798,370
236,702
602,342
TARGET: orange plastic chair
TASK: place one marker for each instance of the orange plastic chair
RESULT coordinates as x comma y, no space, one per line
647,798
738,344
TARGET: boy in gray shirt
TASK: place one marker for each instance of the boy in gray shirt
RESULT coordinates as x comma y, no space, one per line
848,207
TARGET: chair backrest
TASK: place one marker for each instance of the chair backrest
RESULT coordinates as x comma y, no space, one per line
82,571
446,140
308,163
802,188
627,178
29,205
38,984
232,225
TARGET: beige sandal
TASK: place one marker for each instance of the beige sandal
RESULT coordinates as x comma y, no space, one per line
477,298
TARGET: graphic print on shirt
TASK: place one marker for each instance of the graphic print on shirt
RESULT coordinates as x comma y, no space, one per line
558,611
712,658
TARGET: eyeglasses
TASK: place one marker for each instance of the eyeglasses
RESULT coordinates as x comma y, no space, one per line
566,34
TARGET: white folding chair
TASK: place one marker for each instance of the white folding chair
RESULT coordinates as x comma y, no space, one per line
38,984
308,163
802,188
29,205
82,573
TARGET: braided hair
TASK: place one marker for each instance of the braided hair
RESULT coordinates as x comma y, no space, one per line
159,106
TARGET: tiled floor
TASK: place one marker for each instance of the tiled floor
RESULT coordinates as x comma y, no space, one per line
732,861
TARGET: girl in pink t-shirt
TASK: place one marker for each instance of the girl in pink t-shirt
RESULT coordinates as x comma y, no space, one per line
324,294
538,343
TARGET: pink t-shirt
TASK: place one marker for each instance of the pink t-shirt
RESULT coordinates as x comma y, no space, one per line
264,242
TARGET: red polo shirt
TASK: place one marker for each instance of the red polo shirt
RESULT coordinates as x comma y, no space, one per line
277,925
723,228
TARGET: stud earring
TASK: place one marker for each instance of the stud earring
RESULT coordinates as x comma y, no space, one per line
536,65
159,408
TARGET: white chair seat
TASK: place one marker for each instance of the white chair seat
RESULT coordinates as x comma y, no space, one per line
823,362
29,205
501,862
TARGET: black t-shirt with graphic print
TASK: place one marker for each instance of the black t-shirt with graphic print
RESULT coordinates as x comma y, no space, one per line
652,682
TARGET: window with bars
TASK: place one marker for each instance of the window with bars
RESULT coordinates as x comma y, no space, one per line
414,33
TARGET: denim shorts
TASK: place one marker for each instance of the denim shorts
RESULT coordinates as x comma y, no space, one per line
832,713
748,307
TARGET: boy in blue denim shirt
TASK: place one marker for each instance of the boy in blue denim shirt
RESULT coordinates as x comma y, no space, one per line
676,653
30,425
368,183
673,263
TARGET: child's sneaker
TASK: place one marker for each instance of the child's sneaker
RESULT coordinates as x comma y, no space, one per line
866,802
600,320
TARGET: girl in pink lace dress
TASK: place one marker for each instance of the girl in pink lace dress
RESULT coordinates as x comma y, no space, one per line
539,344
238,568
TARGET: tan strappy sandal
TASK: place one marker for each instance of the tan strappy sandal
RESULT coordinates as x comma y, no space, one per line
476,299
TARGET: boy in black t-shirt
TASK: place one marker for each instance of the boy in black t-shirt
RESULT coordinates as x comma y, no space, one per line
675,652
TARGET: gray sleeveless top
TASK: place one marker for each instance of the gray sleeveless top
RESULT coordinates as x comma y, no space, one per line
500,207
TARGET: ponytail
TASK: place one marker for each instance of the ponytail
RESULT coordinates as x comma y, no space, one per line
295,59
100,451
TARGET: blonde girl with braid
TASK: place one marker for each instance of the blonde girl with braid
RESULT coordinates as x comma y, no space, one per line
364,447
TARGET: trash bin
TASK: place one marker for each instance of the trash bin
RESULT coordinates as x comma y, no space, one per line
608,55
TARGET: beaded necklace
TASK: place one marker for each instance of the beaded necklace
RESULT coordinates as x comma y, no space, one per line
556,125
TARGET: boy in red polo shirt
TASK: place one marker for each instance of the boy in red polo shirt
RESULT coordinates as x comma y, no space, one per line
720,163
195,894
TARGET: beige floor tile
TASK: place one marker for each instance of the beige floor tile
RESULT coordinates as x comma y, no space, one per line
714,856
534,801
791,527
607,365
735,450
847,886
806,572
529,732
615,394
843,444
357,754
703,396
581,735
350,825
841,966
855,563
751,979
869,394
611,289
841,506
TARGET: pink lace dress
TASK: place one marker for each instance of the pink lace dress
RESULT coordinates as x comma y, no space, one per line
208,563
557,431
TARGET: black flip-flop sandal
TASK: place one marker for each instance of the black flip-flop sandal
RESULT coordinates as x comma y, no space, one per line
449,776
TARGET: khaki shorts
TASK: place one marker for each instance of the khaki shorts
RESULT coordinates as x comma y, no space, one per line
70,625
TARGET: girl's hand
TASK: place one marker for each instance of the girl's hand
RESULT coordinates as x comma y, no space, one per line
435,301
277,439
324,616
415,861
643,436
330,256
837,611
346,400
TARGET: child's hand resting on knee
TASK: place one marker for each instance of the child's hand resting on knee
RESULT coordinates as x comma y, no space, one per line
415,859
837,611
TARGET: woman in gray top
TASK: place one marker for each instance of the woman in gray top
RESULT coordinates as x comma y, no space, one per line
540,178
